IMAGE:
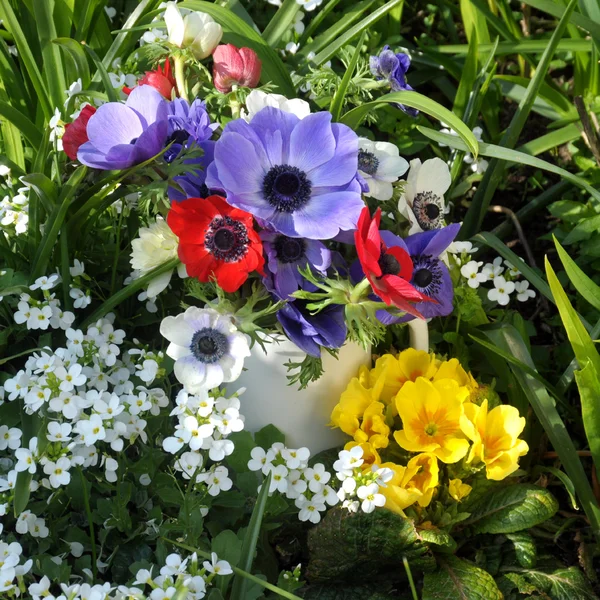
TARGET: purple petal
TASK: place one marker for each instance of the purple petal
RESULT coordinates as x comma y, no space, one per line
270,120
444,297
113,124
312,143
344,165
148,103
432,243
151,142
92,157
238,167
391,240
318,255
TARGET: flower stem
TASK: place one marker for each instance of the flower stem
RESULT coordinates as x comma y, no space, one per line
359,290
235,105
179,77
88,512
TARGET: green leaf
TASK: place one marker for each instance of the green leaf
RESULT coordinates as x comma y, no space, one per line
106,82
239,33
240,584
53,67
457,579
525,548
77,53
22,123
440,539
337,102
582,283
467,140
44,188
349,547
244,443
474,23
508,339
268,436
564,478
331,49
494,173
467,79
281,22
563,584
11,22
509,155
521,47
511,509
552,139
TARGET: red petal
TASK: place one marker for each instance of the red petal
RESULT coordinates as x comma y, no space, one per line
76,132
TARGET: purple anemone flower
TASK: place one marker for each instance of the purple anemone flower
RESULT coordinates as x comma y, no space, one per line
311,332
430,275
298,175
285,255
393,67
122,135
187,125
193,182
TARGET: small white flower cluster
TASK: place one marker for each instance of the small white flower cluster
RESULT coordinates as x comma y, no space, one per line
57,129
478,165
147,364
291,476
81,299
204,422
41,314
119,79
504,280
360,489
14,212
89,395
11,571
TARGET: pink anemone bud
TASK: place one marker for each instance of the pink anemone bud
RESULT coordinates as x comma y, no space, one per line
235,66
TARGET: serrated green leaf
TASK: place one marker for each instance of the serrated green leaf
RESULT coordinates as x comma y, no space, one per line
511,509
525,548
458,579
440,539
349,547
563,584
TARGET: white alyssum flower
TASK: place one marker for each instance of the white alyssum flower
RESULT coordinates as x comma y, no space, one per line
196,30
207,348
523,291
257,100
309,5
218,480
310,510
422,202
493,269
501,291
471,273
10,437
58,472
370,496
380,165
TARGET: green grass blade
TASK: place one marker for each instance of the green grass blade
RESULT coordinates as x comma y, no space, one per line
85,15
281,22
11,79
106,82
521,47
55,223
467,80
494,174
239,33
495,22
337,29
506,154
354,117
22,123
556,138
44,188
582,283
316,21
77,53
474,23
240,584
11,22
508,339
337,101
326,53
54,71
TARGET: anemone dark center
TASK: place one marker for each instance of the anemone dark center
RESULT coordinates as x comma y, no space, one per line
204,191
179,136
289,249
209,345
389,264
133,140
367,162
286,188
227,239
224,239
428,208
423,278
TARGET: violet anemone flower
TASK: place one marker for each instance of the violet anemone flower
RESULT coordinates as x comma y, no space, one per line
192,184
285,255
122,135
309,332
430,275
298,175
393,67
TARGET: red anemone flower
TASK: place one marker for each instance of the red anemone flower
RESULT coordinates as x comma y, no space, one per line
76,132
216,241
389,270
235,66
161,79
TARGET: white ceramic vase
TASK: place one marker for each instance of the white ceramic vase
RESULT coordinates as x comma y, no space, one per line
302,415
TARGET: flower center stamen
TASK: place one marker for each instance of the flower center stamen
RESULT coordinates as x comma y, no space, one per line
209,345
289,250
427,208
286,188
427,274
227,239
389,264
423,277
431,429
367,162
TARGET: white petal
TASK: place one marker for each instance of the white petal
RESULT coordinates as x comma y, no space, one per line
434,176
175,25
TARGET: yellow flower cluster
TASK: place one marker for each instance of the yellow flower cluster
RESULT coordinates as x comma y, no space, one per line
424,404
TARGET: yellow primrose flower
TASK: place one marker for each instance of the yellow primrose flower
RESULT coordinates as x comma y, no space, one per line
370,454
452,369
396,371
373,428
495,437
431,416
426,478
459,490
398,493
354,401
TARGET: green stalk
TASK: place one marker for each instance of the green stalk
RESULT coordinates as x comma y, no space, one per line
180,76
88,512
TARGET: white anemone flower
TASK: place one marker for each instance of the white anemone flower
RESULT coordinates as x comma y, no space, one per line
380,164
207,348
423,199
257,100
196,30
